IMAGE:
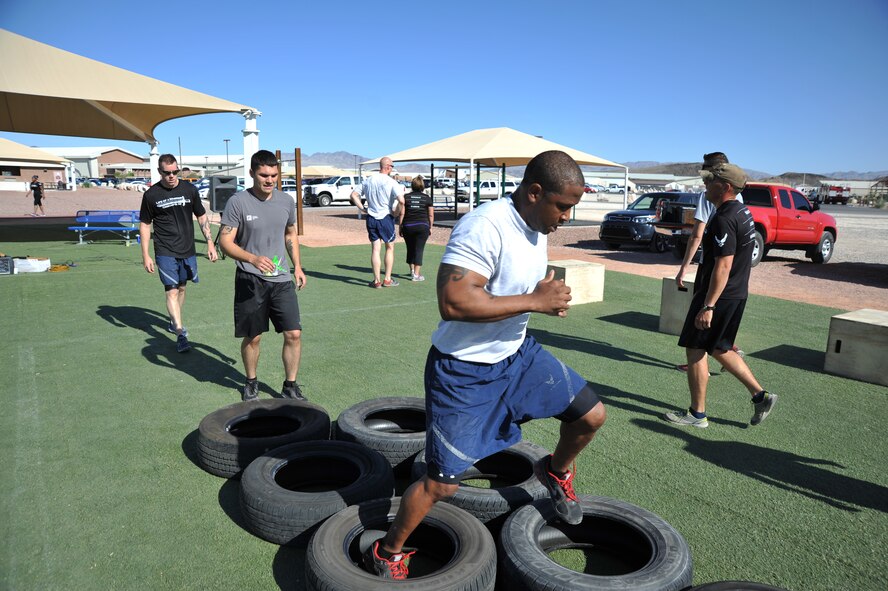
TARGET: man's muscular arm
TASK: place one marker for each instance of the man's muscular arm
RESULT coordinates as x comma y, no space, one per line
461,296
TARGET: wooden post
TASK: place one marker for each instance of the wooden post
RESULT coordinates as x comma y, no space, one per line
297,156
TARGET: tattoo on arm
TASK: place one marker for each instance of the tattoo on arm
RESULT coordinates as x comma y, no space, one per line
205,228
226,229
289,244
448,273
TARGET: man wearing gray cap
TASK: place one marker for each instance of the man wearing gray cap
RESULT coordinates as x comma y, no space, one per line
720,293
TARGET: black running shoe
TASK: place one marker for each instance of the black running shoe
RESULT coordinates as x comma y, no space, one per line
394,568
182,344
294,392
564,499
250,391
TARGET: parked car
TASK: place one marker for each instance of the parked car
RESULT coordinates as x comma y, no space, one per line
783,217
615,189
334,188
488,190
444,183
587,188
634,225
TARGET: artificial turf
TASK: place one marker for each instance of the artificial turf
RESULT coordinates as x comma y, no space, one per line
100,489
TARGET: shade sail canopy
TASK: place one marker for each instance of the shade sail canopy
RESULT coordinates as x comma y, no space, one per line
322,170
12,151
46,90
495,146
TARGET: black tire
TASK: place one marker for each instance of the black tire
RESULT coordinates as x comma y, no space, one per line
735,586
455,551
510,474
232,437
758,248
644,553
289,491
658,243
824,250
324,199
394,426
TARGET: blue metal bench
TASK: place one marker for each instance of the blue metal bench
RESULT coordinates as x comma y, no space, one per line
122,222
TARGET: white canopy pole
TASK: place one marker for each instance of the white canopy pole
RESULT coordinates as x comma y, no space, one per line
251,143
625,187
471,183
154,160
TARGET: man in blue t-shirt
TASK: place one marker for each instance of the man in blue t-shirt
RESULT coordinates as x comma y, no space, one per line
720,293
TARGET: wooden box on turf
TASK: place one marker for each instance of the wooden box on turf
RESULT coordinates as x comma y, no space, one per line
585,279
858,346
674,303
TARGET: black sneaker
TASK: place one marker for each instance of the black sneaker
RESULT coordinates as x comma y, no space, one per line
763,409
394,568
250,391
294,392
182,344
564,499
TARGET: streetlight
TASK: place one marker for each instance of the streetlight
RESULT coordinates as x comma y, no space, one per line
227,169
206,166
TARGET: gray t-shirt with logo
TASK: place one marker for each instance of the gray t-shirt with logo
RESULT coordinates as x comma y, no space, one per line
260,229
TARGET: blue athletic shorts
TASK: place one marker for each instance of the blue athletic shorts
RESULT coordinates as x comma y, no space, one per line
474,410
383,229
174,272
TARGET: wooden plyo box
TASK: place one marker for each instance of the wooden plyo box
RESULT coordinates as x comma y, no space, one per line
858,346
674,304
585,279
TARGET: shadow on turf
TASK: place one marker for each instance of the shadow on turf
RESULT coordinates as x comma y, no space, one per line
628,401
638,320
806,476
793,356
360,281
204,362
594,347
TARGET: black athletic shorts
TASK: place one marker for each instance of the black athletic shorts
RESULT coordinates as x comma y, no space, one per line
257,301
721,333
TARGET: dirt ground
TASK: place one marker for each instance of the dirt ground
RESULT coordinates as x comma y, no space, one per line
856,277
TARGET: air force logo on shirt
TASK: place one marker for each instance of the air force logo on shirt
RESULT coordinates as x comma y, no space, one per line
179,201
721,241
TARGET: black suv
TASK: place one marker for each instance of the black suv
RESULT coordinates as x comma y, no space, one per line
633,225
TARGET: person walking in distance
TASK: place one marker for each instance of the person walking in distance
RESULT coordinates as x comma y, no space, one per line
484,376
417,217
259,232
36,188
385,197
169,207
720,293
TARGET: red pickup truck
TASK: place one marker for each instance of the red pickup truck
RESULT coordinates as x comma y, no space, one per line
784,219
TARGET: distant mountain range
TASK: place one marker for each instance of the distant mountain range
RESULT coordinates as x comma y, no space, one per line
348,161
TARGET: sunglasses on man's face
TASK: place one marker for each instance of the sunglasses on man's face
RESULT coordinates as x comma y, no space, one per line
170,172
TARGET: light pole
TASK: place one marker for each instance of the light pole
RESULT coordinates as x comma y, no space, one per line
227,169
206,166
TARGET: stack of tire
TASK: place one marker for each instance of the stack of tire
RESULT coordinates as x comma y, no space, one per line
336,496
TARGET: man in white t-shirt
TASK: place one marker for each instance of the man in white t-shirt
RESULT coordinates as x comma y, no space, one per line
484,376
385,197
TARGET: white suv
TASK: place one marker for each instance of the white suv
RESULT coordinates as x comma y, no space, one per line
489,190
335,188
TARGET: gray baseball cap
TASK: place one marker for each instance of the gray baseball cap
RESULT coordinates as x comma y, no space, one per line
730,173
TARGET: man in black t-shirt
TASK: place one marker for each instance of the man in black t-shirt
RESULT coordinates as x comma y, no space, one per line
170,206
720,293
36,187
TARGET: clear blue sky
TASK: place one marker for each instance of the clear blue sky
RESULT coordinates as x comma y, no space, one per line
779,85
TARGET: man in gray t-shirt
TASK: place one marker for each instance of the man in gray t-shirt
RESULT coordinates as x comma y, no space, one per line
259,232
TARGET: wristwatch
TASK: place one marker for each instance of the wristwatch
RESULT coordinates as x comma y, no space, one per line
705,308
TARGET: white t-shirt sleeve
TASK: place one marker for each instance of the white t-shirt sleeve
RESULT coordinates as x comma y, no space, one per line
704,209
475,244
